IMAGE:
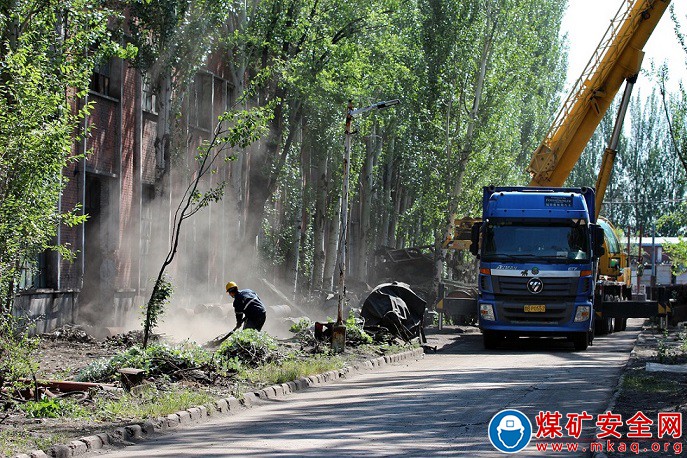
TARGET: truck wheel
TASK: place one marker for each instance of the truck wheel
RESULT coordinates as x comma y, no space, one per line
603,326
581,341
620,324
491,340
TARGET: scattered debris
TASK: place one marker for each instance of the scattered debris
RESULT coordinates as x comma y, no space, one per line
69,333
127,339
69,385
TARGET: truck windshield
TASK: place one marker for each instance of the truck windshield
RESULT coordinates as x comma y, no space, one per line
555,242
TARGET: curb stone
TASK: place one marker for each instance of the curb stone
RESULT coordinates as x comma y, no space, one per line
141,431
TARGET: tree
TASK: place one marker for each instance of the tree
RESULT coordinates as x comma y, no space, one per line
47,53
678,255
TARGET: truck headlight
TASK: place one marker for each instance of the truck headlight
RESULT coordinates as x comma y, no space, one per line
486,311
583,313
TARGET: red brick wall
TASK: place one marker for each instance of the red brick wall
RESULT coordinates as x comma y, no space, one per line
129,195
205,233
70,271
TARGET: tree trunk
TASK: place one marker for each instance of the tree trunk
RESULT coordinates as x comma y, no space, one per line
465,152
332,248
386,205
302,223
373,147
332,236
320,223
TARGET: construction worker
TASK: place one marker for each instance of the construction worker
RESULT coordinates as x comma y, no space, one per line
248,308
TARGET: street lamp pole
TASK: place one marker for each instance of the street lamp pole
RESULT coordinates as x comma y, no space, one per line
339,330
344,214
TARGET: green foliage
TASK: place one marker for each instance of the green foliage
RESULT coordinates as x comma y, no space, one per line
678,255
17,353
673,223
293,369
643,382
648,183
52,408
44,68
248,347
149,403
301,325
14,441
663,351
162,292
355,334
155,360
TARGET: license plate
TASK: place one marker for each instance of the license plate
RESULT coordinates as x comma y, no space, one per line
535,308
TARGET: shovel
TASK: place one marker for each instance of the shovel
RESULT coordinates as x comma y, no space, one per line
217,341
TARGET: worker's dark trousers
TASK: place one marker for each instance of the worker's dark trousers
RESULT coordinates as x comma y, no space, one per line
255,321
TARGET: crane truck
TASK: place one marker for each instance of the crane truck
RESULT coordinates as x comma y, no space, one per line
548,264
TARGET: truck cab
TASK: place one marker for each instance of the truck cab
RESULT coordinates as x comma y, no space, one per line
538,256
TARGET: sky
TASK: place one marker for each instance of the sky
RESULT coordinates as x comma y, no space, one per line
586,21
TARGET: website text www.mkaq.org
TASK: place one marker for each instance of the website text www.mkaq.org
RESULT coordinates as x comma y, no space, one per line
612,446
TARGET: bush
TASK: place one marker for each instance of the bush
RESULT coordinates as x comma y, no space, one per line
248,347
17,349
301,325
155,360
355,335
305,332
52,408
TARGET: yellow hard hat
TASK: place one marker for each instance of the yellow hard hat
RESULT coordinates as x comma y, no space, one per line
231,285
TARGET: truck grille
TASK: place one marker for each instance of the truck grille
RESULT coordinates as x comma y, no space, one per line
553,287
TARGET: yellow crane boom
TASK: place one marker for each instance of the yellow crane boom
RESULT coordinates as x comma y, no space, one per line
617,58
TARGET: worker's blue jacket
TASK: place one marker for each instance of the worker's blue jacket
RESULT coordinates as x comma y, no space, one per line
247,302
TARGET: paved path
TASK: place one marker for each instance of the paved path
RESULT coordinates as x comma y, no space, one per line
437,406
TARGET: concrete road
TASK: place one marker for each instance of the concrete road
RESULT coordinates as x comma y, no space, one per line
438,406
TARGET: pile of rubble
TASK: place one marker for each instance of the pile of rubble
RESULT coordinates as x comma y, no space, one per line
70,333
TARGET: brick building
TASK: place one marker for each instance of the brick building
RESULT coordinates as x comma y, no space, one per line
120,247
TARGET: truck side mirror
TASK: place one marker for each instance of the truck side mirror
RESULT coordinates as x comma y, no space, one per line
598,240
474,238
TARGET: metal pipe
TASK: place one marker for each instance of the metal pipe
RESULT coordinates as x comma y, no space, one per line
83,197
138,172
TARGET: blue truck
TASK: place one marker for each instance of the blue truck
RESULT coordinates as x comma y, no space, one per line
538,250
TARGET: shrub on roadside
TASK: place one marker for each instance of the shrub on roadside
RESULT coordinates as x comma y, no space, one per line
248,347
305,333
355,335
155,360
52,408
17,356
302,325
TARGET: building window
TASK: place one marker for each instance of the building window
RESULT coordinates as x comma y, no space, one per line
200,102
35,274
148,96
100,78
